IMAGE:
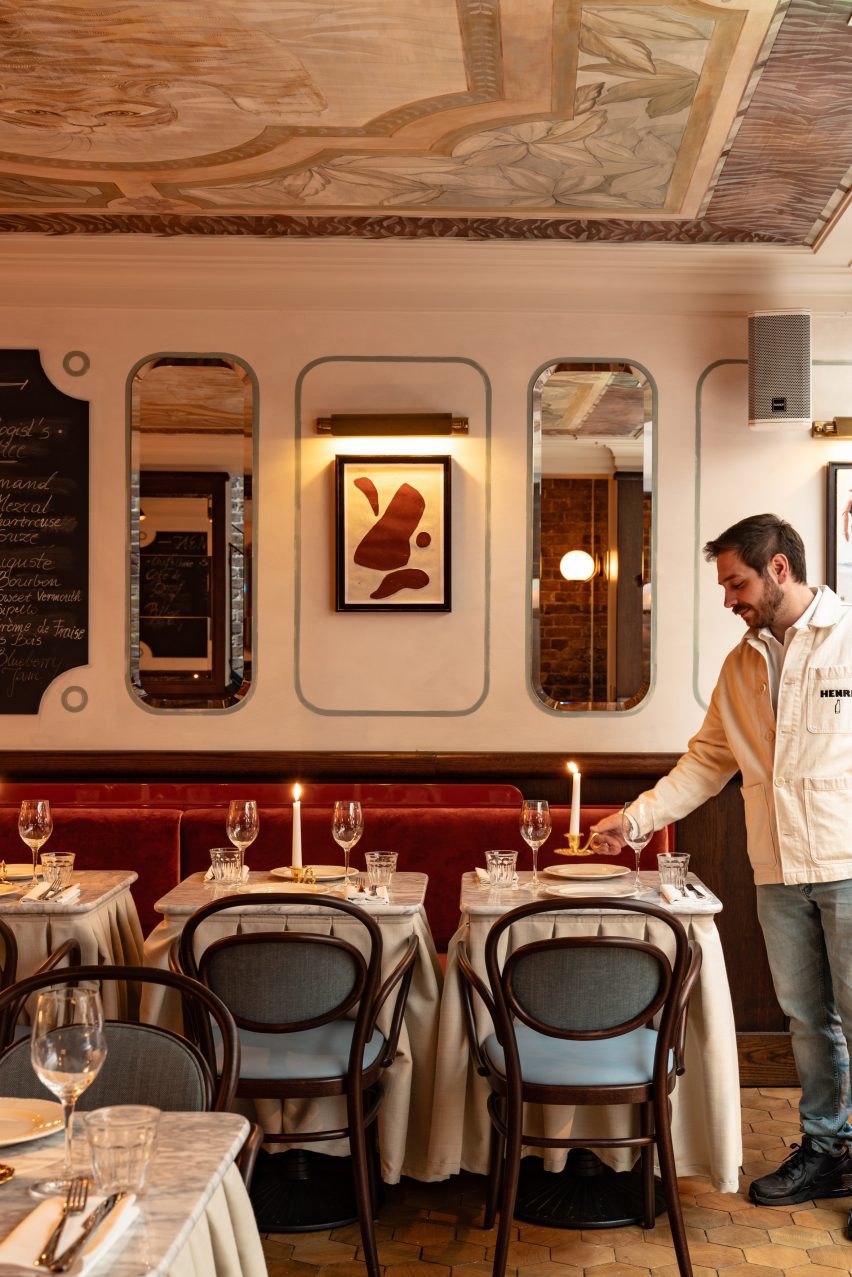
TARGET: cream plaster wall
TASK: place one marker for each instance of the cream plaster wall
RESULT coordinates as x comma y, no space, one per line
505,309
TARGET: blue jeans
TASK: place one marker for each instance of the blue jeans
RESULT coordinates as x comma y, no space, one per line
808,934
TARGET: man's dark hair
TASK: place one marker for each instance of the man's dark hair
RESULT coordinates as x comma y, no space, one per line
757,540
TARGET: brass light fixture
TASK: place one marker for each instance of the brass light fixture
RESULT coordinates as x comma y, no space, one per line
386,424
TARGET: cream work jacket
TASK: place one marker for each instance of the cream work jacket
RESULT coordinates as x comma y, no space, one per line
796,767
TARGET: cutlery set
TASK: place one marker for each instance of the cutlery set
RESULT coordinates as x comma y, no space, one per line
75,1203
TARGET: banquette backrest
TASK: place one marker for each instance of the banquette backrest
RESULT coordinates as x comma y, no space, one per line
165,832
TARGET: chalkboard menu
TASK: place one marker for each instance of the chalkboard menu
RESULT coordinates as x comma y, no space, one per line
44,532
174,592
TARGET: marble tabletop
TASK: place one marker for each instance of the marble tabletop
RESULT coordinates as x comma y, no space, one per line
179,1188
481,898
406,895
97,887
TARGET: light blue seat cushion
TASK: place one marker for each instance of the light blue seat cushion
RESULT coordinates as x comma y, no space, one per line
322,1052
623,1061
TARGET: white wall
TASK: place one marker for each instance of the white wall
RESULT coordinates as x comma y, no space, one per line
327,681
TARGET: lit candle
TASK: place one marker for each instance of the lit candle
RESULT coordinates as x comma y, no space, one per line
574,824
297,828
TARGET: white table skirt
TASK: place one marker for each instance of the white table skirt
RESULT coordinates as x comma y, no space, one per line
224,1241
405,1115
706,1126
107,931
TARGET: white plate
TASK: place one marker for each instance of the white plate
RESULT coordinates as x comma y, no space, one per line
10,888
270,888
322,873
24,1120
582,889
17,873
586,871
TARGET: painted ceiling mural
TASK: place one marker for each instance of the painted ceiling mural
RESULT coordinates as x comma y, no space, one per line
690,120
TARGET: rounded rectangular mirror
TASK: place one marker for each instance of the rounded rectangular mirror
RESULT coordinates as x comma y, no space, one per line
591,596
192,430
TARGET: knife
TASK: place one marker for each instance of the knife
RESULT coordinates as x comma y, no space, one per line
90,1224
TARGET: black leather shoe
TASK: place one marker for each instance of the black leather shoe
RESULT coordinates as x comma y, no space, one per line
805,1174
849,1226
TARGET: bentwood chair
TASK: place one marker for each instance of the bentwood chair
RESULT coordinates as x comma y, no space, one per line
582,1019
306,1007
145,1064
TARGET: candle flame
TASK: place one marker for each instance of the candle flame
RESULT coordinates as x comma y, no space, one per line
297,793
572,767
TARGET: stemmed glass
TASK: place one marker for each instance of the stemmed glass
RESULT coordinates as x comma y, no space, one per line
637,828
347,826
243,823
67,1048
535,830
35,825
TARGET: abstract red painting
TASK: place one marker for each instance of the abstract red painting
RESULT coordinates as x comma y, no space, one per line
393,534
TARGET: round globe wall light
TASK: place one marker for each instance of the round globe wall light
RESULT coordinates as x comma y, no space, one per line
577,565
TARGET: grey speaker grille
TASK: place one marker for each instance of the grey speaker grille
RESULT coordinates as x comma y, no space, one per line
779,367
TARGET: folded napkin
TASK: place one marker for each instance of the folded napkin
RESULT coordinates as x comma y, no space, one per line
68,896
670,893
208,877
362,897
18,1251
36,892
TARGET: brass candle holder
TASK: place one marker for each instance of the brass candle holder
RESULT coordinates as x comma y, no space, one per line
303,874
574,848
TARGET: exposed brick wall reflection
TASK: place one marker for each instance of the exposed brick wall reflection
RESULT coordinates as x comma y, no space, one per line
573,613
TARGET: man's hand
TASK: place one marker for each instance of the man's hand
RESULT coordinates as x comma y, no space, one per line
606,834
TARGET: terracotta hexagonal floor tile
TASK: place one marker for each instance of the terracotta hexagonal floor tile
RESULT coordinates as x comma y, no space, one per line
822,1217
798,1235
697,1271
705,1217
522,1253
423,1232
765,1216
754,1270
583,1254
738,1234
289,1268
538,1270
644,1256
757,1139
776,1123
311,1251
620,1270
833,1257
394,1252
452,1253
541,1236
723,1201
812,1270
480,1269
352,1268
712,1256
774,1256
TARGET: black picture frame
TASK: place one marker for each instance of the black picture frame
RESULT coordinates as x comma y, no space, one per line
838,555
392,533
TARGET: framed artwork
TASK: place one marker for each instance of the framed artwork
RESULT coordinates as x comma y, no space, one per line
839,529
392,543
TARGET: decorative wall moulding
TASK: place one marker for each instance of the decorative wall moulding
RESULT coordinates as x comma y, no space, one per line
389,424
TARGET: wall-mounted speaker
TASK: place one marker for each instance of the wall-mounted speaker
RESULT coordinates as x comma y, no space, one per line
779,370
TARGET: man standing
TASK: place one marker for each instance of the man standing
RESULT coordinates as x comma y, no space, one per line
781,714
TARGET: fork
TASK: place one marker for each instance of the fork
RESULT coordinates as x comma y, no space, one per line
75,1202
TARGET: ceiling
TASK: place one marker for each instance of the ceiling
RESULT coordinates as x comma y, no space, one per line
719,121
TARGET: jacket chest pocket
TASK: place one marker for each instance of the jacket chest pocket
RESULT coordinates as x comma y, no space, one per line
830,699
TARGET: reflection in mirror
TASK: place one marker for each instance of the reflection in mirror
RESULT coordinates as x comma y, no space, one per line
592,507
192,432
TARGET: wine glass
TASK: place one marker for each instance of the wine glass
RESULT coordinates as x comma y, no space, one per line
67,1048
243,823
347,826
637,828
35,825
535,829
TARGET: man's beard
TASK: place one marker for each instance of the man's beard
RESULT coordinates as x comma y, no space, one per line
765,611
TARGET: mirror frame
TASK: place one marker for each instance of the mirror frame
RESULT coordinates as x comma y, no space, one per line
542,699
156,701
